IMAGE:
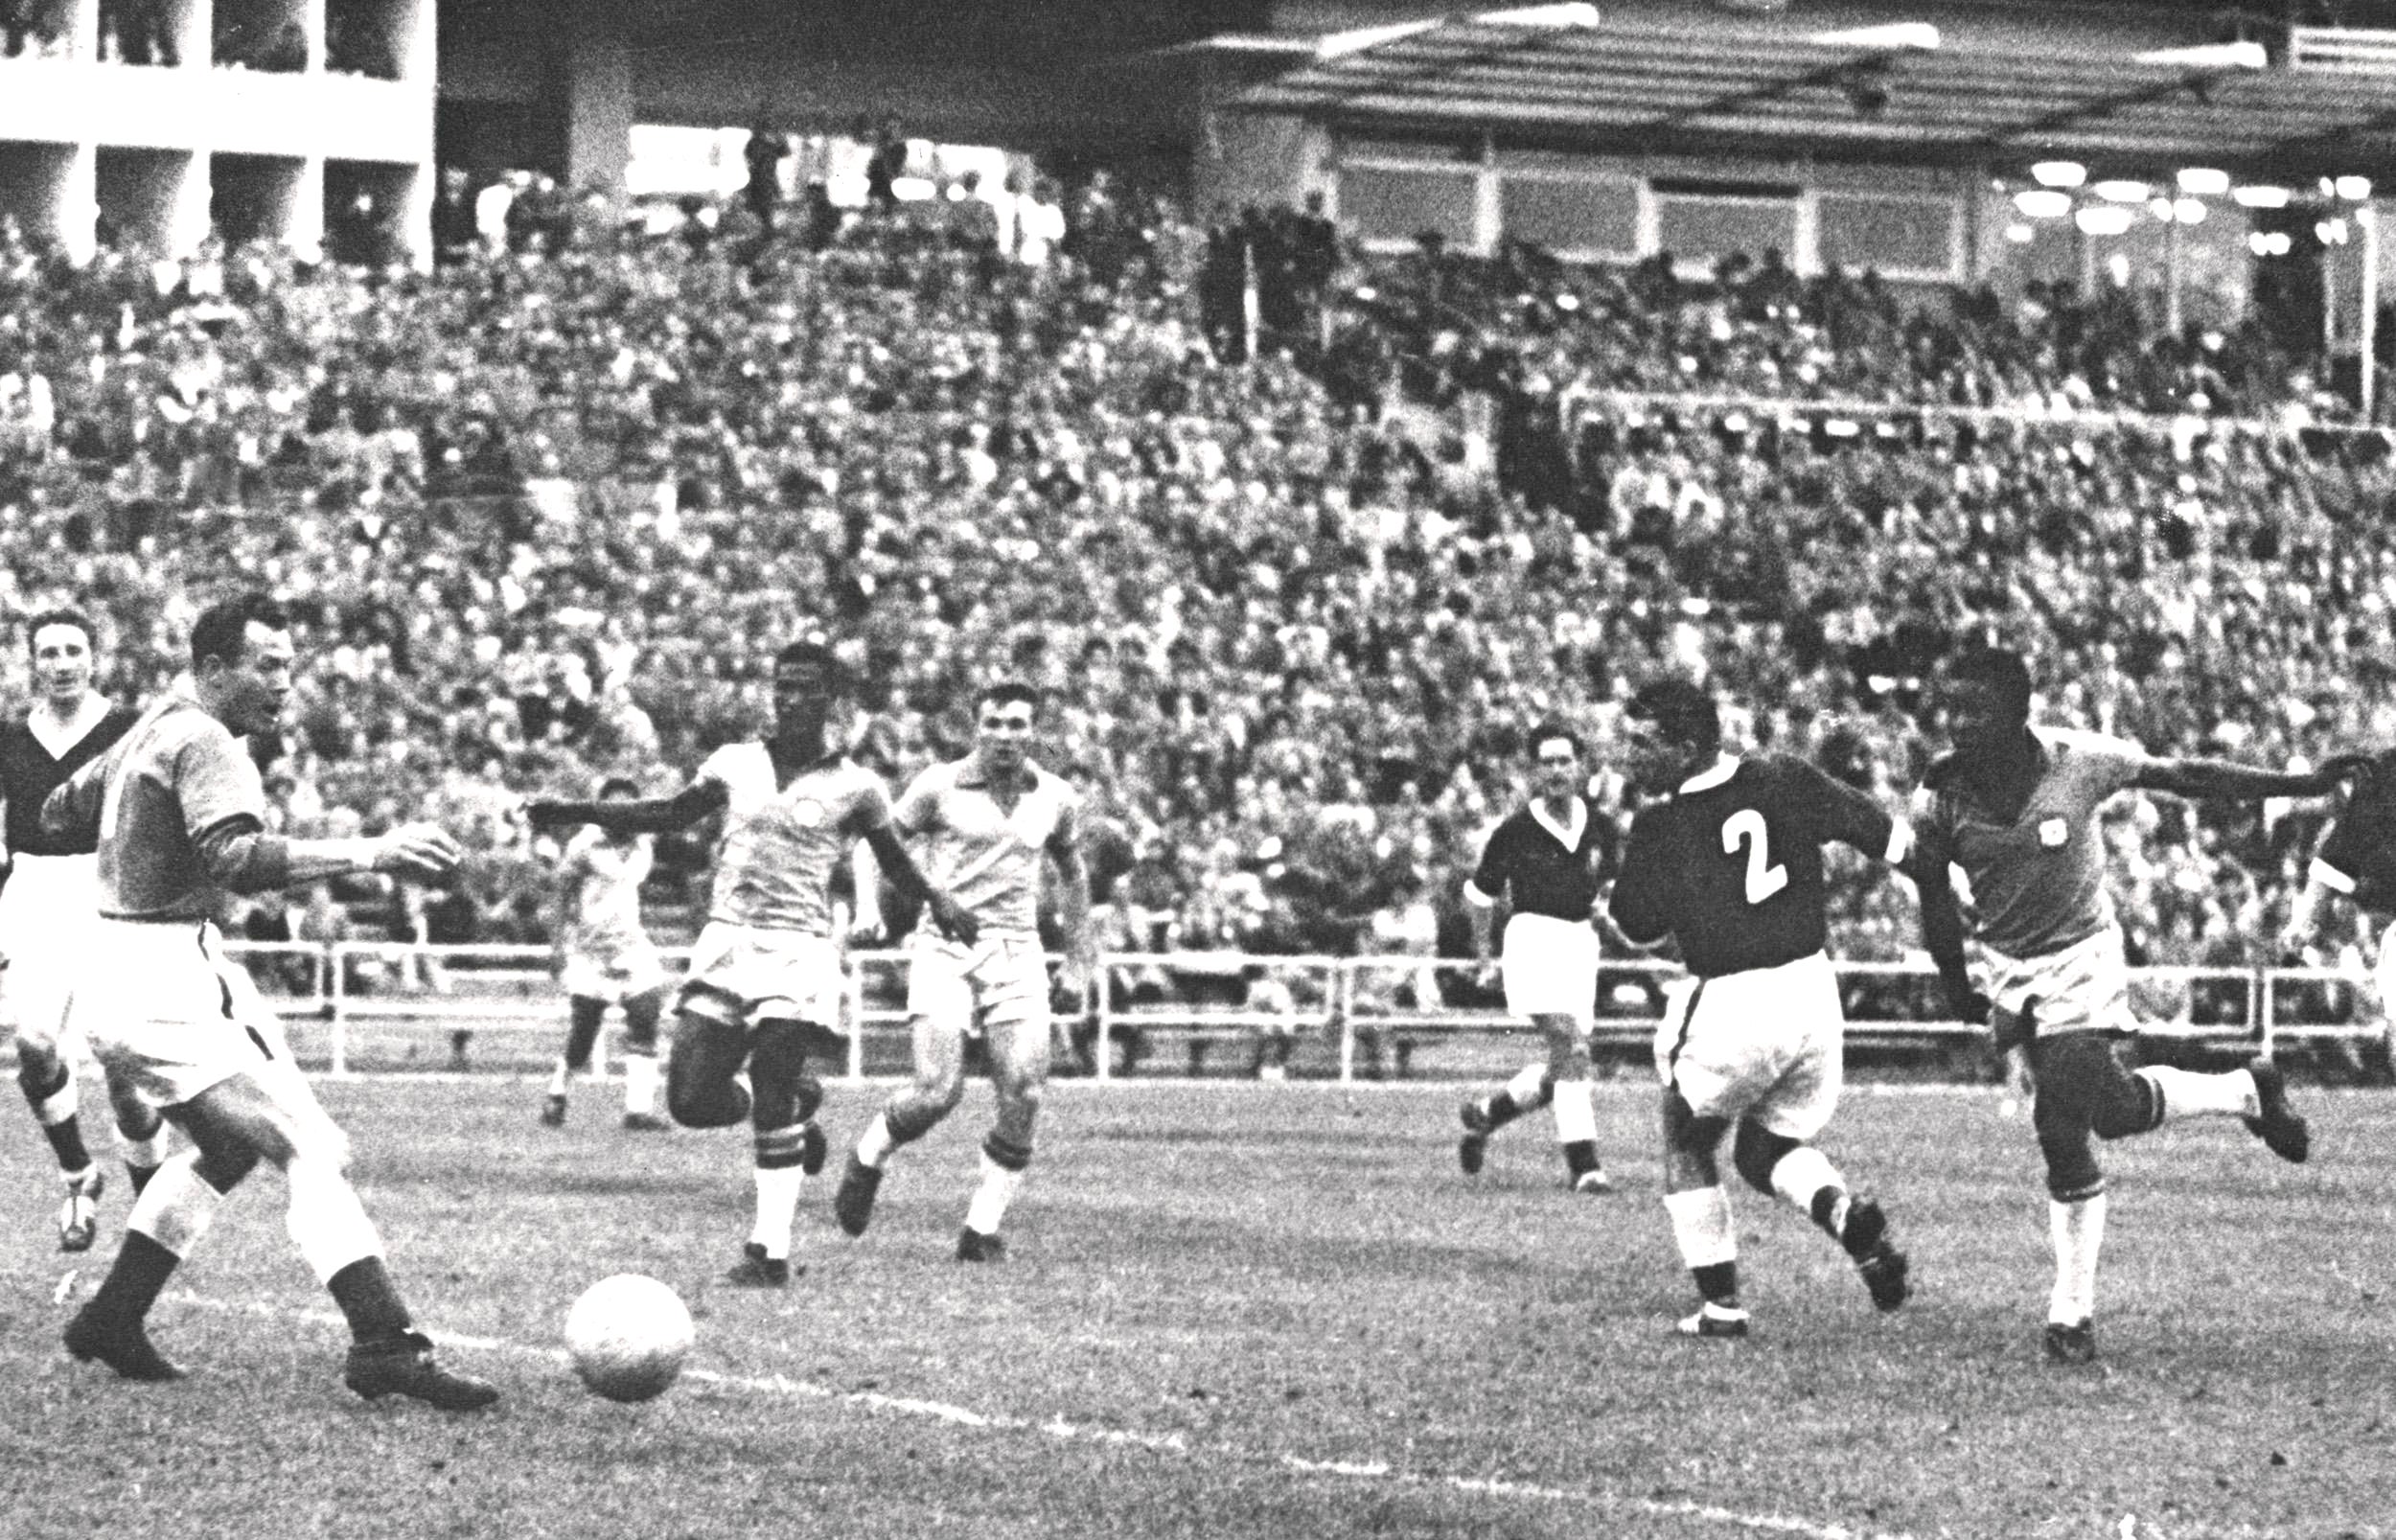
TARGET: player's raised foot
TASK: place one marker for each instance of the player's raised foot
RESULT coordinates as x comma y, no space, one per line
1474,1147
553,1112
812,1147
2071,1343
123,1346
78,1212
1594,1183
2282,1129
1714,1321
756,1270
645,1123
1886,1270
852,1202
973,1246
405,1365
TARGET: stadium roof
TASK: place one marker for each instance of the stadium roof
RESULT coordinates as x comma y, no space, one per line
1877,93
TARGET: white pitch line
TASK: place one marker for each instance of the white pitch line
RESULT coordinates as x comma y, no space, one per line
1373,1471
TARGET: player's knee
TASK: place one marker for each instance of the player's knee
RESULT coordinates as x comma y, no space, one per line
1756,1151
806,1096
40,1071
697,1100
2129,1104
224,1168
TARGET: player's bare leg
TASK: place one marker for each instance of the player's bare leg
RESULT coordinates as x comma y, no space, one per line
233,1124
702,1087
642,1013
142,1136
1019,1069
1532,1088
48,1082
939,1084
1803,1177
584,1015
1700,1210
781,1118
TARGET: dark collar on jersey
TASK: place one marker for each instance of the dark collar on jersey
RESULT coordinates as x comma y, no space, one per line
969,772
1711,776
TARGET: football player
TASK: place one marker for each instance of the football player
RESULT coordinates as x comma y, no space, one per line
605,957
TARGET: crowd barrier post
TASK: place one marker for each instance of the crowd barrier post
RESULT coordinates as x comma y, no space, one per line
336,1012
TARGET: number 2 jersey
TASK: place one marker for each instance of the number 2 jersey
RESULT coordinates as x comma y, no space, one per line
1731,862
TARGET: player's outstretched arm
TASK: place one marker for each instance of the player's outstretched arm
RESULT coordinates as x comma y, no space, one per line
657,815
239,854
952,918
2220,779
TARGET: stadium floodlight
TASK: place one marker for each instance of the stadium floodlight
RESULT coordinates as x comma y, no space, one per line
2207,56
2204,181
1557,16
2058,173
1355,40
2354,189
2043,203
2189,211
2260,198
2020,235
2122,191
2330,232
2103,220
1917,36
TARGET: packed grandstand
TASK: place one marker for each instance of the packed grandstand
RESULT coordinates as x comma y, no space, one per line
548,512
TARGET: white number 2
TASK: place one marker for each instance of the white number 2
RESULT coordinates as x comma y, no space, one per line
1764,878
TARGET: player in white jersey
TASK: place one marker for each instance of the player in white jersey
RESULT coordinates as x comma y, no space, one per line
46,911
180,817
605,957
987,825
765,984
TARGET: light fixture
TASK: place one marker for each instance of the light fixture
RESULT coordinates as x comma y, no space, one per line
2274,244
2020,235
2161,208
2331,232
2043,203
2261,198
2103,220
2204,181
2189,211
2354,189
2122,191
2058,173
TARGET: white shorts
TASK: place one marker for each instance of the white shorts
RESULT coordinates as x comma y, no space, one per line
1000,979
746,973
169,1015
2082,988
615,979
1551,968
1761,1045
48,912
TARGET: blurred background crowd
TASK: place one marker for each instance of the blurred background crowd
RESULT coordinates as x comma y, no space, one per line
1299,542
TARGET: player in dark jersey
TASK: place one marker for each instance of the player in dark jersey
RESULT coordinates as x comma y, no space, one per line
1728,863
2014,808
47,909
1549,860
2357,862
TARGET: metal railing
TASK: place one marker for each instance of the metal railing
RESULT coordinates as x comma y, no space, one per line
1359,1004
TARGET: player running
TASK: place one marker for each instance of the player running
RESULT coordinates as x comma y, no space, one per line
2014,808
1729,865
987,823
181,816
47,909
607,959
1549,860
2357,862
766,983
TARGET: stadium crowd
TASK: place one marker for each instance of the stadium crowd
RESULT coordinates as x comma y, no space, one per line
548,511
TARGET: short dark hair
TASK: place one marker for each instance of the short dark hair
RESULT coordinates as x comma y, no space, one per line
223,629
813,653
61,617
1682,710
1999,668
1005,692
1548,732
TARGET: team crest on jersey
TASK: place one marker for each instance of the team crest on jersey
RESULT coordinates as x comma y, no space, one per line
807,809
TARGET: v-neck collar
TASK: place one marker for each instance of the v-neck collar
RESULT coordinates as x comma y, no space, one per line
1568,835
1714,775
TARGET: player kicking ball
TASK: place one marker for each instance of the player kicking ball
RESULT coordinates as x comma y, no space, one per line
765,976
180,813
605,957
1728,863
987,823
1549,860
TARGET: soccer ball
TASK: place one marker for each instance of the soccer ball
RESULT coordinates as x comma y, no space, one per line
628,1335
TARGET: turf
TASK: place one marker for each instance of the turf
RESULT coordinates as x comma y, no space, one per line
1240,1310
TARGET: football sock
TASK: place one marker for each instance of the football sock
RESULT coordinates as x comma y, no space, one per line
2078,1231
370,1302
777,1205
875,1144
1003,1166
143,1156
1576,1114
1799,1178
1701,1228
53,1104
2187,1093
559,1075
173,1211
327,1222
640,1083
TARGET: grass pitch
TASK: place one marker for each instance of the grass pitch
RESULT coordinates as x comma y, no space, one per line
1246,1310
